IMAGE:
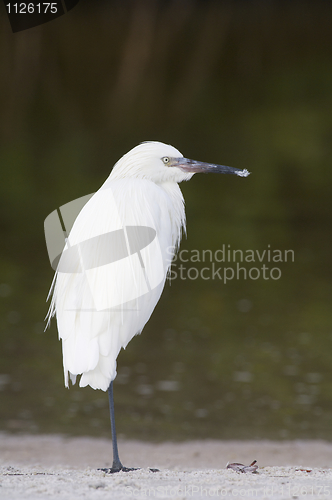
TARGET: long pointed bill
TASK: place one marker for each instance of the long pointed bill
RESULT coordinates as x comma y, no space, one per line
193,166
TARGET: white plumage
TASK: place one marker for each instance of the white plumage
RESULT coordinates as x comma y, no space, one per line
99,310
138,192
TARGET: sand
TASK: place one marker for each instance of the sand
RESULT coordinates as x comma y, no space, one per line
58,467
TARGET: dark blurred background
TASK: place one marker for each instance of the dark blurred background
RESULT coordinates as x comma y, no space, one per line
243,83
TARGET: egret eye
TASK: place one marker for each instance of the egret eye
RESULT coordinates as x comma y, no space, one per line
165,160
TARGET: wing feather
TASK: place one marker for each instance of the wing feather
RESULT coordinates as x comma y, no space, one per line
100,309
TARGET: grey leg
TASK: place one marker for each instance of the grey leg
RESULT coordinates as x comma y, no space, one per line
117,465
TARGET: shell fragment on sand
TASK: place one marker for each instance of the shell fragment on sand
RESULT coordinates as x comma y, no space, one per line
243,468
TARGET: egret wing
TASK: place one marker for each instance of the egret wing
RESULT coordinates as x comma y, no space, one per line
100,308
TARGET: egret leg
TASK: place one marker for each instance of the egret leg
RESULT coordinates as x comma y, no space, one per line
117,465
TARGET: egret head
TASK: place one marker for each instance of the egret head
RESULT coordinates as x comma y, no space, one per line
160,163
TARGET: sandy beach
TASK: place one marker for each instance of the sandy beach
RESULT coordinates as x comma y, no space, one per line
58,467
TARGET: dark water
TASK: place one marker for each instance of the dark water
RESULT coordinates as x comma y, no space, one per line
247,358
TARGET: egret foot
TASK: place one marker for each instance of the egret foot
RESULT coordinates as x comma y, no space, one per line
112,470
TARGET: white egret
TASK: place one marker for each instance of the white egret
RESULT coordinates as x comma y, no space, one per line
115,262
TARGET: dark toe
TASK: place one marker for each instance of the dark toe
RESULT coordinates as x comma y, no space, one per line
113,470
